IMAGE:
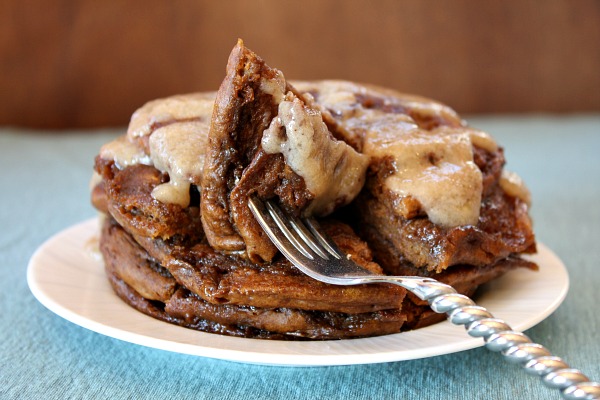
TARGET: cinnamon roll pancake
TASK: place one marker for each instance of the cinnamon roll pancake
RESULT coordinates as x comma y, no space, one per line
401,183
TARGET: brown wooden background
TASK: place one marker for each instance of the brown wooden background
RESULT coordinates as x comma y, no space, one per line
91,63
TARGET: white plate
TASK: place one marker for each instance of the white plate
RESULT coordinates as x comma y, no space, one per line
65,277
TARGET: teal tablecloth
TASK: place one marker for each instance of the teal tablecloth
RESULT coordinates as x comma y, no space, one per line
44,184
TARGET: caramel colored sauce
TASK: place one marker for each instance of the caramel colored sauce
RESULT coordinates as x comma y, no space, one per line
332,170
431,148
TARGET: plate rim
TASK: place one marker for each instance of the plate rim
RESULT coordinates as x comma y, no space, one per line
286,353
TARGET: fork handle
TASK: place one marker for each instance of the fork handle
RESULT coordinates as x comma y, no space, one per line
514,346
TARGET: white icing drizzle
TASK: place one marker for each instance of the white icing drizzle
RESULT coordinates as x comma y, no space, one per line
124,153
178,149
513,185
332,170
434,167
180,107
483,140
437,169
275,87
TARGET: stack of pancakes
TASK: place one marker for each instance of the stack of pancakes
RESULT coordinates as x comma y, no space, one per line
180,244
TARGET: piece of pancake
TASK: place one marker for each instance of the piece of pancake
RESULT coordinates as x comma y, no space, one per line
267,140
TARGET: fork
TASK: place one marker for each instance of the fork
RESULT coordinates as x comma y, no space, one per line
310,250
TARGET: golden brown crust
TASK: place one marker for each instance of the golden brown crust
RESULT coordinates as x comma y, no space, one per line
177,304
227,279
209,291
124,258
128,198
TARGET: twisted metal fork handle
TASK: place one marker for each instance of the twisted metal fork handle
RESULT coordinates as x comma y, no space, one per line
442,298
514,346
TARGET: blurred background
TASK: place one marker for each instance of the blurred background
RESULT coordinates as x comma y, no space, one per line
74,64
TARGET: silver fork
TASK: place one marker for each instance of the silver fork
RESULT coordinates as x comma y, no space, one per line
314,253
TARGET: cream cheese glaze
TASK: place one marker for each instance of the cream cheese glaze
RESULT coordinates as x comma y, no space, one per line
513,185
332,170
437,169
178,149
175,108
124,153
433,166
176,129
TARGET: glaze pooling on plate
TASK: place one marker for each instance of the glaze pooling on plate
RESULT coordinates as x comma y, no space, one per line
66,277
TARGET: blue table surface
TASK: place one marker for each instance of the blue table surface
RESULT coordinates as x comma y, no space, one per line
44,183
